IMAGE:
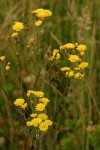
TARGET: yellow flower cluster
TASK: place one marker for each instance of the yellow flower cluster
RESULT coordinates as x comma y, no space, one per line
41,14
18,26
56,55
20,102
36,93
74,53
39,119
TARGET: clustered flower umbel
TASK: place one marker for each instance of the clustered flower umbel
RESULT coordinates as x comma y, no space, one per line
74,55
41,14
38,118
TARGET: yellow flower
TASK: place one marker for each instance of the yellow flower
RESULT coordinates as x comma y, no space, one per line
70,74
15,34
55,55
65,68
44,100
82,53
73,58
29,123
18,26
24,105
43,126
51,58
36,122
58,56
55,51
83,65
42,116
19,101
2,58
40,107
33,115
7,68
48,122
78,75
67,46
42,13
38,23
36,93
81,48
39,93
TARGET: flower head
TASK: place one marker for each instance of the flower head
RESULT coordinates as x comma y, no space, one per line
83,65
18,26
19,101
42,116
36,121
43,126
14,35
73,58
2,58
44,100
40,107
81,48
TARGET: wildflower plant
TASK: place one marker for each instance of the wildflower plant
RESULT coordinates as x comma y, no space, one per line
37,118
73,54
31,70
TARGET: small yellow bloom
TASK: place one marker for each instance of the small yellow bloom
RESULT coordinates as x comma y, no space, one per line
19,101
7,68
28,94
78,75
58,56
82,53
40,107
67,46
36,122
65,68
15,34
38,23
36,93
24,105
70,74
29,123
83,65
51,58
42,13
48,122
2,58
43,126
33,115
42,116
44,100
81,48
18,26
39,93
55,51
73,58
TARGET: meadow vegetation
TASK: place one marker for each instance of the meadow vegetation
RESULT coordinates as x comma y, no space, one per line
49,75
